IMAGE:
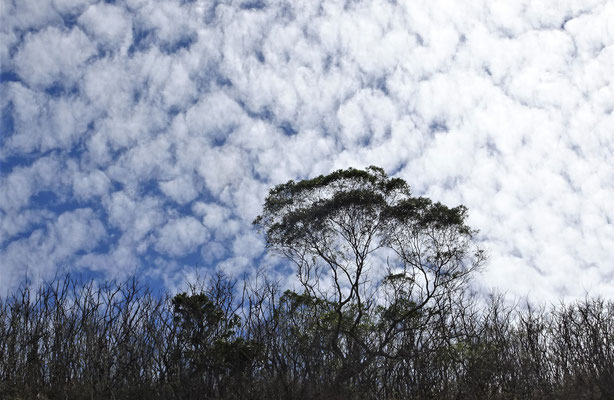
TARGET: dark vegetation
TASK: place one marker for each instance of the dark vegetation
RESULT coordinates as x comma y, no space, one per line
384,310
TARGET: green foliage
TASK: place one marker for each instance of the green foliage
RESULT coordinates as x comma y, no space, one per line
339,228
200,320
208,344
294,210
422,213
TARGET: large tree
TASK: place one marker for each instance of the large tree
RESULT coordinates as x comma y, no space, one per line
383,262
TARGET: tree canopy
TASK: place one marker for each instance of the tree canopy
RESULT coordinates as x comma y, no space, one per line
377,255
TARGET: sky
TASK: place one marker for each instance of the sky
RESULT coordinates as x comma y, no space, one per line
141,137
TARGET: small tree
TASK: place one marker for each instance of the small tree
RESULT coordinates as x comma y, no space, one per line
379,256
210,353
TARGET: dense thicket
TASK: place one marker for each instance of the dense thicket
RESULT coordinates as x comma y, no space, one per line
383,310
78,340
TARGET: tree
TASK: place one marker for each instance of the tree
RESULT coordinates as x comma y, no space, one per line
379,256
211,354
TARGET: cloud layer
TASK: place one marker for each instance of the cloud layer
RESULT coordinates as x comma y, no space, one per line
140,135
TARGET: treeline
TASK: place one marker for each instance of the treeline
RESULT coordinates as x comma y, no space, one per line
384,310
70,339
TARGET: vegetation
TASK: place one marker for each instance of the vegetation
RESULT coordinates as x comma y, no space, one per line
384,311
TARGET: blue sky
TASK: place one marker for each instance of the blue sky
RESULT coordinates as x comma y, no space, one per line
142,137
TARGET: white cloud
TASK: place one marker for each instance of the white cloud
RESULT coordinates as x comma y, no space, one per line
214,116
28,14
22,183
214,216
175,118
69,7
181,236
169,19
108,24
42,123
221,168
55,245
180,189
53,55
76,230
17,223
367,116
136,217
91,184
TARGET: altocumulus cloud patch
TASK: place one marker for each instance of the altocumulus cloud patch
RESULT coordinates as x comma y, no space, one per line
143,136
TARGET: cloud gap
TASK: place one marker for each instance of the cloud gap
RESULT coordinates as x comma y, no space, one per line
70,19
142,39
253,5
183,43
7,123
9,76
58,89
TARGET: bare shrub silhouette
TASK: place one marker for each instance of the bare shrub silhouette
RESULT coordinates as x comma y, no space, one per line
70,339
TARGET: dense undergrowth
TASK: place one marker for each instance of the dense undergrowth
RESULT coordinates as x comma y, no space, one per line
70,339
